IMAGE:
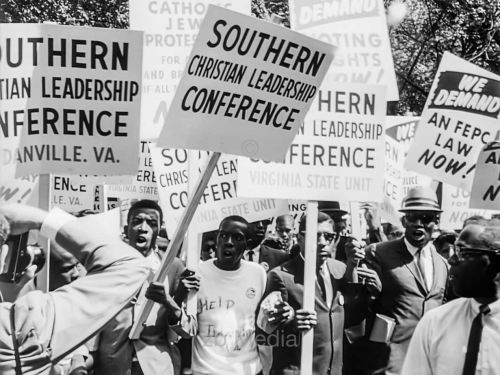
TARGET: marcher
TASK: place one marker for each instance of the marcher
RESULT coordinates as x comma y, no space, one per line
463,336
327,318
155,351
230,290
50,325
413,277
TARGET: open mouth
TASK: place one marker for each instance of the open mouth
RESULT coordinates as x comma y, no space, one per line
227,253
418,233
141,240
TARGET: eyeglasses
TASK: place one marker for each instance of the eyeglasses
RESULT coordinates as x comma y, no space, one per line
329,237
466,253
424,218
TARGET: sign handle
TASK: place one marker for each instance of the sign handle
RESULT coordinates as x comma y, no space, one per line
175,244
44,202
192,238
309,284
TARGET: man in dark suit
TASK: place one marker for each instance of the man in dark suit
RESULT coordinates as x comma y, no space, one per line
327,316
413,275
257,252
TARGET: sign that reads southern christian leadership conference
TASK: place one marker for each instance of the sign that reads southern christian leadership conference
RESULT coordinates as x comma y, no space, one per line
359,29
246,88
339,154
219,198
70,99
170,30
460,116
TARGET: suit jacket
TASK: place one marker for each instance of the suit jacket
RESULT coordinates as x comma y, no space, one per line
286,340
154,350
404,296
270,258
51,325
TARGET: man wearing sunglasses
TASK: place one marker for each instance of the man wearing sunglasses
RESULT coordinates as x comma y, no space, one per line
289,319
413,277
463,336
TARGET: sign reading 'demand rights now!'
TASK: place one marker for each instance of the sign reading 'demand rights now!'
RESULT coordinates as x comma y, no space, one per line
70,99
246,87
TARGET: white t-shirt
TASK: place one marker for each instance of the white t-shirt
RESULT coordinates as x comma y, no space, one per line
227,304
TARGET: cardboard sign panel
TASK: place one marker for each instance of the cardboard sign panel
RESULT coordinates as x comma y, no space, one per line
339,154
399,135
70,99
219,198
455,206
486,186
460,116
359,30
246,88
170,30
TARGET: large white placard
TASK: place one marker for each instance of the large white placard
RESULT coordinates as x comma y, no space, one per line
219,199
70,99
359,29
247,86
460,116
338,156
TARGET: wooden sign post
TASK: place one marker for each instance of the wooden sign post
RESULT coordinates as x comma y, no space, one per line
309,284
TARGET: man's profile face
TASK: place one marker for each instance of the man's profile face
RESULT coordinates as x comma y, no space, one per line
142,230
419,226
231,244
325,236
472,273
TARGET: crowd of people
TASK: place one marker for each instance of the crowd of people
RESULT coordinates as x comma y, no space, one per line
405,299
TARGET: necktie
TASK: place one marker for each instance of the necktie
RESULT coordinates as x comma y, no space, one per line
321,283
422,265
250,255
474,340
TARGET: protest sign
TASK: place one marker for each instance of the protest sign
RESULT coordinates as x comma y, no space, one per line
144,185
460,116
359,30
70,99
170,30
219,198
20,190
455,205
247,87
399,135
71,193
338,155
486,185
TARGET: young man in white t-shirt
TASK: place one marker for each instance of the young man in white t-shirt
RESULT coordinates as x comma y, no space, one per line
228,298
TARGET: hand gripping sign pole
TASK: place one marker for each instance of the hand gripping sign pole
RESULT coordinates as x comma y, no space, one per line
175,245
309,284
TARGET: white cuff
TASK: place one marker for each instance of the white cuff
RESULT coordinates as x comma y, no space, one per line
54,221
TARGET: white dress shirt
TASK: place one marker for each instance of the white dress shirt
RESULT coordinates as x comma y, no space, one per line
423,260
439,343
255,256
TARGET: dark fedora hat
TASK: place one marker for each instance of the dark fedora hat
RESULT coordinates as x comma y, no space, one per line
420,198
331,208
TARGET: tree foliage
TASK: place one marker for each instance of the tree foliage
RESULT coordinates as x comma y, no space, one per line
466,28
108,13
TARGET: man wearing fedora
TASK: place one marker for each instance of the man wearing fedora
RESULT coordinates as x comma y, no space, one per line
413,276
